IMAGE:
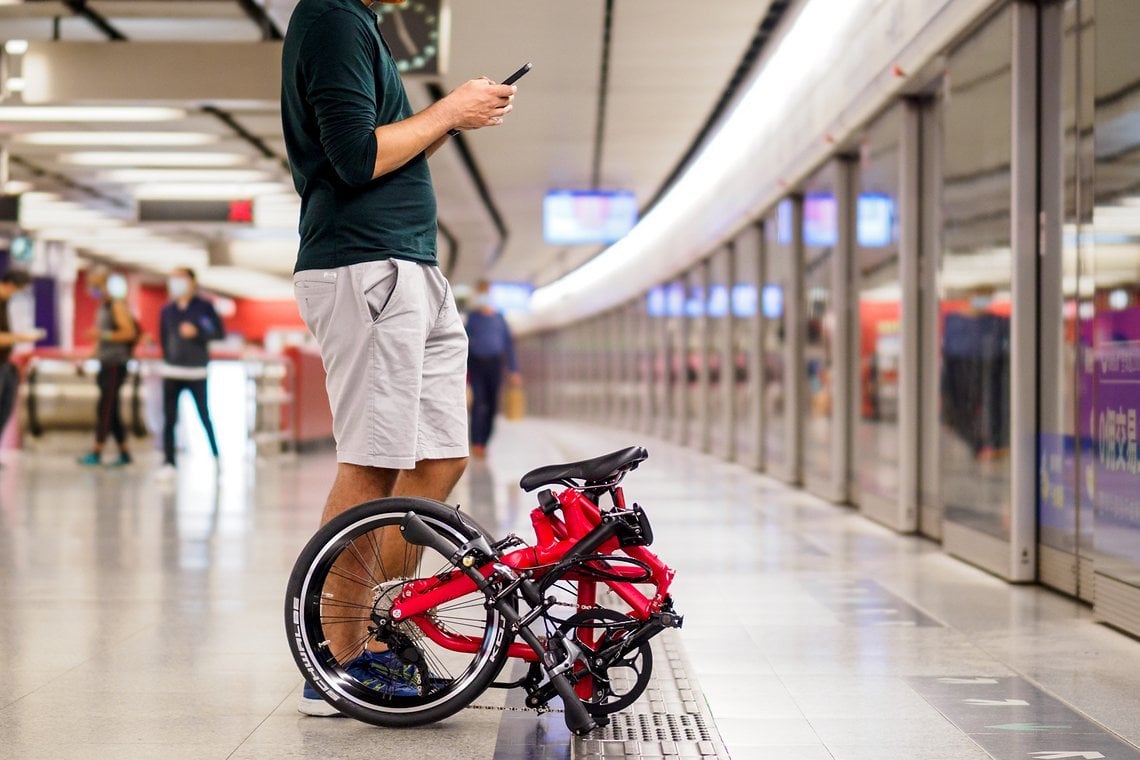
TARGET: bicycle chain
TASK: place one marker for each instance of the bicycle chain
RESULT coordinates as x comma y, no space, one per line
509,708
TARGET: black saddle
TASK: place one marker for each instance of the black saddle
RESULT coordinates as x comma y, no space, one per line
596,470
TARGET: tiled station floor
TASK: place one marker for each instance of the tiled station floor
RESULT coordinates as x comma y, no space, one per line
144,621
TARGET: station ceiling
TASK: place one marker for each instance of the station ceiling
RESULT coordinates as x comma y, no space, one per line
666,63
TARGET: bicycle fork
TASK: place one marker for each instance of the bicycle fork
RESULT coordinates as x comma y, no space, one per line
556,664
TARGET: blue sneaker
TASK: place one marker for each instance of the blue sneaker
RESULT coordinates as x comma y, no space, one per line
91,459
381,671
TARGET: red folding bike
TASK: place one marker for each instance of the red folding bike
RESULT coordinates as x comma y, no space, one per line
427,583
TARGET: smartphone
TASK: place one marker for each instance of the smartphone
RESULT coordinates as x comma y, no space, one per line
509,80
517,75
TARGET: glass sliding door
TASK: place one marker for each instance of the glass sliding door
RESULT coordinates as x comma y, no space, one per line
718,313
696,350
748,347
975,277
780,332
676,295
1067,306
877,466
656,360
826,235
1114,413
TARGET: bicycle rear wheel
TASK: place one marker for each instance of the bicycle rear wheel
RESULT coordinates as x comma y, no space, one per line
341,587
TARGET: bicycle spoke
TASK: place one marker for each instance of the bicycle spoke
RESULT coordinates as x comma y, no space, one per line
327,620
366,565
350,652
339,573
464,606
436,666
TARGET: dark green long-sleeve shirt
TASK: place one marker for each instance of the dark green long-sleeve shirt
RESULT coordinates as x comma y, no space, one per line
338,84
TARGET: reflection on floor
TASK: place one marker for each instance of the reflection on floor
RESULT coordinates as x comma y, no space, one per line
143,622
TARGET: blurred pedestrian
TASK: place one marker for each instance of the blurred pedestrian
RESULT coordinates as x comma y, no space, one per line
115,333
11,283
490,354
187,325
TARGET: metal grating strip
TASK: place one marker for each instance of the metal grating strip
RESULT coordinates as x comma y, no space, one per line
648,727
670,719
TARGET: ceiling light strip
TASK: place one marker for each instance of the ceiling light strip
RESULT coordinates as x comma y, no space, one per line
39,172
84,114
117,139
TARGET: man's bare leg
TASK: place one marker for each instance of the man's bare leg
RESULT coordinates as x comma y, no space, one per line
356,571
348,587
432,478
356,484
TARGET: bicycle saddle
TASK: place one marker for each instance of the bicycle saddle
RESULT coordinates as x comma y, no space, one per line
602,468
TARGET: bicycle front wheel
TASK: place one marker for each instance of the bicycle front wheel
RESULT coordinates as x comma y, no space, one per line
339,593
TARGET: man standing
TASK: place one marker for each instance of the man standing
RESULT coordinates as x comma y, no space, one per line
187,324
10,283
491,351
366,278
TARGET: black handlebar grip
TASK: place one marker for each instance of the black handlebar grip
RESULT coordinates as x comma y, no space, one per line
416,531
578,720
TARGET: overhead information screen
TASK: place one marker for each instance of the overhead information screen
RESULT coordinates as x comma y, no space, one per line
238,212
580,217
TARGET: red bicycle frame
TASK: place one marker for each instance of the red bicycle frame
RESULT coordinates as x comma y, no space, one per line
555,538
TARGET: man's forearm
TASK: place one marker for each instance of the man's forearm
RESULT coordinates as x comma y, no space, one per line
400,142
437,145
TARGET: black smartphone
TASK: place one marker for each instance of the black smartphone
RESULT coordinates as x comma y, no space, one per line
509,80
517,75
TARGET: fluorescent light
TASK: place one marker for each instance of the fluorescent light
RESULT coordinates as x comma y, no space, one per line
138,176
16,84
207,191
68,220
133,139
152,158
15,187
89,113
15,47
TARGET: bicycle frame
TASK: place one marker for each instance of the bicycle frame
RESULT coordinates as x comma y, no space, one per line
556,538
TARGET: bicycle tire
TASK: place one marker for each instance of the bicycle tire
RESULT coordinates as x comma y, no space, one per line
323,669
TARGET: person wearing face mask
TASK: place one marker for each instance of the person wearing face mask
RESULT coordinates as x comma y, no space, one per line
11,283
115,333
187,325
490,351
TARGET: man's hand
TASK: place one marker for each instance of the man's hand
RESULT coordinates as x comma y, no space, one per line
479,103
472,105
516,379
187,330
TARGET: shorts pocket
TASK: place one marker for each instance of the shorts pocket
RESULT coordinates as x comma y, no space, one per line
315,300
377,285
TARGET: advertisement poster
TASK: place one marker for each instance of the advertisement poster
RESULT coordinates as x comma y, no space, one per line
1116,476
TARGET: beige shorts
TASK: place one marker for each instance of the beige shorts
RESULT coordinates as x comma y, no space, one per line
395,356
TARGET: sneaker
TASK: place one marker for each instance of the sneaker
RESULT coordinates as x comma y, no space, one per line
91,459
381,671
166,473
123,460
312,704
